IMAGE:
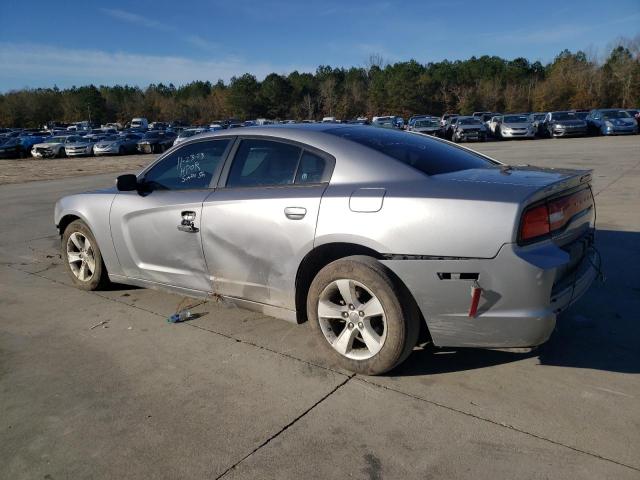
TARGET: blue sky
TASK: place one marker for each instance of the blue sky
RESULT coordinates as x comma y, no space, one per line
46,43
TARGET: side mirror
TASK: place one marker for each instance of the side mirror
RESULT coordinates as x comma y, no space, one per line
127,183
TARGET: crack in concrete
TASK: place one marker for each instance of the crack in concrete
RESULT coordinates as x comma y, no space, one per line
622,175
499,424
349,377
290,424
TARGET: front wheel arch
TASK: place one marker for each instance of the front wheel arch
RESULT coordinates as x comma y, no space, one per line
66,220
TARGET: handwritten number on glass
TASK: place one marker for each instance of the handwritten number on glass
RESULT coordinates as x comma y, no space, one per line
189,167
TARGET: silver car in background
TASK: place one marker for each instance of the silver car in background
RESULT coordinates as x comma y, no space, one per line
117,144
372,235
426,125
564,124
81,146
468,129
53,147
186,134
519,125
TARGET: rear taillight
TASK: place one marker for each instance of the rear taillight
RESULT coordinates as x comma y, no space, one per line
535,223
540,220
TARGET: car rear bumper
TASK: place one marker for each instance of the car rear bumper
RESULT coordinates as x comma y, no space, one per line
521,295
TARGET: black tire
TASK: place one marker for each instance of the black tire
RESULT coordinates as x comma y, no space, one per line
62,152
99,278
401,312
121,150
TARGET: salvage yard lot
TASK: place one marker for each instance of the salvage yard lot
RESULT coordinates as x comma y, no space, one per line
236,394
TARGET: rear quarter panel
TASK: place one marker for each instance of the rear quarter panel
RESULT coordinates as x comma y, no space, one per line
417,218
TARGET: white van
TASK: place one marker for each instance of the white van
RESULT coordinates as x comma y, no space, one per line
141,123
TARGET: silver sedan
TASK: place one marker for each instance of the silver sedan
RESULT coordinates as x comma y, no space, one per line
376,237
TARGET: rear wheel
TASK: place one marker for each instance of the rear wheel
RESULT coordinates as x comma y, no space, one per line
121,150
62,153
362,316
82,257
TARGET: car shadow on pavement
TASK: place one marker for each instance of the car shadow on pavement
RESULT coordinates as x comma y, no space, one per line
601,331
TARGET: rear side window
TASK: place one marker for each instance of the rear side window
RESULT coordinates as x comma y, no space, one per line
312,168
425,154
263,162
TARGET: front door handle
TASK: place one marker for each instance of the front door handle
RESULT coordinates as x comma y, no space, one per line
295,213
187,224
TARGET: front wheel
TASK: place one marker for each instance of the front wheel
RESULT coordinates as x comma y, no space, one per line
362,315
82,257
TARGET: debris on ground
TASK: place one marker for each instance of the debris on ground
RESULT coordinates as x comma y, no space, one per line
181,316
99,324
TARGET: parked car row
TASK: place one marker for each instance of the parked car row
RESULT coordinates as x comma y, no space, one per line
142,136
481,125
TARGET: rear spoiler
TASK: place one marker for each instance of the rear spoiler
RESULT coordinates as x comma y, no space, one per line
573,180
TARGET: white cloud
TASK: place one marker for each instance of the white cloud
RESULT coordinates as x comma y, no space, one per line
135,19
146,22
31,65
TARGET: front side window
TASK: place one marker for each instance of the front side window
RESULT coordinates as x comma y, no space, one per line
189,167
263,162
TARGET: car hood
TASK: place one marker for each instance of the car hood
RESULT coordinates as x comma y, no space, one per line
569,123
517,183
517,125
107,144
470,127
622,122
45,144
78,144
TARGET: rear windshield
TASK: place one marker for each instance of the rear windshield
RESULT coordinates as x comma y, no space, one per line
428,155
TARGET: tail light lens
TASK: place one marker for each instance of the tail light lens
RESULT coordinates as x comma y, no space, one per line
535,223
545,218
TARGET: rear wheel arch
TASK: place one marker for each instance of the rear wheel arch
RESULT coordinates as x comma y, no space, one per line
322,256
316,260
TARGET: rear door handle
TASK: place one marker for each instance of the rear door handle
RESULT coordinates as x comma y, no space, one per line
295,213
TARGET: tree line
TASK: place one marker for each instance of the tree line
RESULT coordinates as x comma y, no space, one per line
570,81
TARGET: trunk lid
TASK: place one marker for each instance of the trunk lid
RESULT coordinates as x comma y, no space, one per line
565,190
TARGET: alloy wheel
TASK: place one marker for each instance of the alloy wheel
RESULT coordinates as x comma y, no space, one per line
352,319
81,257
